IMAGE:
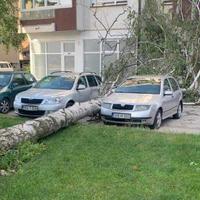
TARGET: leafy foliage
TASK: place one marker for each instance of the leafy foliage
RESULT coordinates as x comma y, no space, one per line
167,44
9,35
14,158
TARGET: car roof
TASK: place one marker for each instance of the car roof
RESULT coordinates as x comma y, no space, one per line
71,74
162,77
14,72
4,62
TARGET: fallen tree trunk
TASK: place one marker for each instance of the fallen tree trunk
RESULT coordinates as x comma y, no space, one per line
33,130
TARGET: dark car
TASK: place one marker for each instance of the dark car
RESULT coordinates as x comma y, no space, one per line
12,83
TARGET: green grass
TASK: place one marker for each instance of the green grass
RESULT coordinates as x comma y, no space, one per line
7,120
93,162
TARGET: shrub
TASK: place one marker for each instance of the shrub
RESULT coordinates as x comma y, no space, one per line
14,158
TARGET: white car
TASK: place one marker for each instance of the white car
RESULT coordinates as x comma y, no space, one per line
56,91
5,66
143,100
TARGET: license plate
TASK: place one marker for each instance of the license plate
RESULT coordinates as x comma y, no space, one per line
30,108
121,116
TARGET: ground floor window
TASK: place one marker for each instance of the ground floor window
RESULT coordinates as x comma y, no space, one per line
92,56
52,56
98,55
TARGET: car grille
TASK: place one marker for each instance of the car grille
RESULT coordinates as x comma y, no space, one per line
31,101
134,120
122,107
31,113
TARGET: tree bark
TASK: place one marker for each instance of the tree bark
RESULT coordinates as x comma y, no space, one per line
33,130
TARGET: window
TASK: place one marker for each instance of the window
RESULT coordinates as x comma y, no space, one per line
108,2
167,86
29,78
53,47
18,80
98,55
53,63
32,4
82,81
174,84
92,56
92,81
98,78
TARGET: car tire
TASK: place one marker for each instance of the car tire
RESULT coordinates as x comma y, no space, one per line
69,104
4,106
157,121
179,112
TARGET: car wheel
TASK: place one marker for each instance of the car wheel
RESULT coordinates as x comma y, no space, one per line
69,104
179,112
4,106
157,121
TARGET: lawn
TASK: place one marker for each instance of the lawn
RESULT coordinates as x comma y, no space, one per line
7,120
93,162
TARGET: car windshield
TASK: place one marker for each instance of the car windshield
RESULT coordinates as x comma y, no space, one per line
140,86
4,79
56,82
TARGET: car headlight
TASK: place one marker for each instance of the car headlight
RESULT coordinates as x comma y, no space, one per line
142,107
106,105
51,101
17,99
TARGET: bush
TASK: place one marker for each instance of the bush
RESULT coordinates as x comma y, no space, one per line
191,96
14,158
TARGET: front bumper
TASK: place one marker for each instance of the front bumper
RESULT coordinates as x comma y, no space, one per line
136,117
41,109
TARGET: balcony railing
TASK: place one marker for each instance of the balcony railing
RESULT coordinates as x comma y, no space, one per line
38,14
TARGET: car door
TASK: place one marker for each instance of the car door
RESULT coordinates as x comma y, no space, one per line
94,86
176,93
167,99
83,94
18,84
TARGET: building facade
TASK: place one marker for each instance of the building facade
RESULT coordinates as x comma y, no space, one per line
67,34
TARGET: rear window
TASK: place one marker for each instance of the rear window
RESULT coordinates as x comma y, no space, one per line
174,84
92,81
98,78
29,78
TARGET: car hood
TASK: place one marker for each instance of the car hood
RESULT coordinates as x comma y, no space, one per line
121,98
35,93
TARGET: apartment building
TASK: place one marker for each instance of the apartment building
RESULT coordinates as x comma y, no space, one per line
66,35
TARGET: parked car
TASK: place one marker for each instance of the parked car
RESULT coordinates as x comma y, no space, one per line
143,100
11,83
56,91
5,66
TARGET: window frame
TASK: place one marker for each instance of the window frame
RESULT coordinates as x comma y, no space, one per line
22,76
94,80
86,81
45,7
166,79
172,85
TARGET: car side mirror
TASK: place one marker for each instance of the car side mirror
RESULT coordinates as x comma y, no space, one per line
168,93
14,85
81,87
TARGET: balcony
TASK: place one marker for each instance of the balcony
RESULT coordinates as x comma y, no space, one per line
48,15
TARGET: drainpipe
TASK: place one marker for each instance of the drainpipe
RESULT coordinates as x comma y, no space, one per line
139,34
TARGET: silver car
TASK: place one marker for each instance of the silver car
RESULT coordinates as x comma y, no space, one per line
56,91
143,100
